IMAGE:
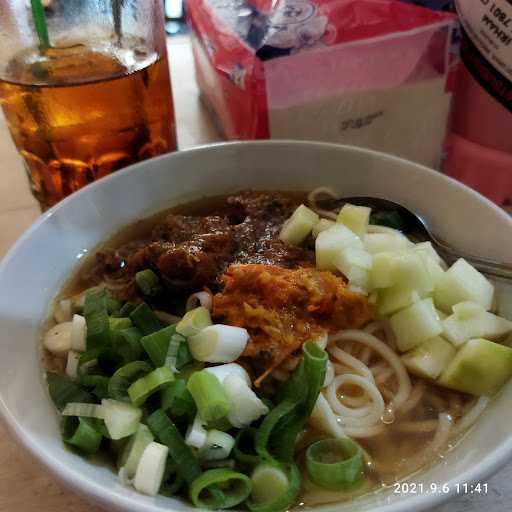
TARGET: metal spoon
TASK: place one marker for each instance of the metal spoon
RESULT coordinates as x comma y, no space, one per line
416,227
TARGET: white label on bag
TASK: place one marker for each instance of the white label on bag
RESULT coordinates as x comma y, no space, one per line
488,23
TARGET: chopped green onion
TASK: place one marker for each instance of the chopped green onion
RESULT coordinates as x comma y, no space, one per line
209,396
148,283
127,309
58,338
172,481
63,390
300,392
222,371
84,410
194,321
268,425
78,333
89,361
124,377
245,406
81,433
126,343
119,323
273,490
97,320
72,362
113,305
166,432
220,488
244,451
156,344
218,446
121,419
196,433
133,450
335,463
171,357
97,383
151,468
184,356
218,343
177,401
144,318
142,388
226,463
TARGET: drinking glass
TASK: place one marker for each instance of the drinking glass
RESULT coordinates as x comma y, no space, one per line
85,88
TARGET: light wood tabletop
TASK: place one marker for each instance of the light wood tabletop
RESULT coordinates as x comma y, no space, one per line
26,486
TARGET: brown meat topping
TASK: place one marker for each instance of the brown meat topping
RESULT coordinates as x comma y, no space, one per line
192,252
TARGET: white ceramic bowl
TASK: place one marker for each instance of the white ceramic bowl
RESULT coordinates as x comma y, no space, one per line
43,258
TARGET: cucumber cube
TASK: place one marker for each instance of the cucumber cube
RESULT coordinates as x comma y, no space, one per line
296,229
322,225
385,242
354,264
474,323
428,251
415,324
467,310
480,367
382,273
411,272
356,218
430,358
396,298
331,242
460,283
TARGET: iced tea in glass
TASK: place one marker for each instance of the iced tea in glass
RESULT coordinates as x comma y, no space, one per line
95,99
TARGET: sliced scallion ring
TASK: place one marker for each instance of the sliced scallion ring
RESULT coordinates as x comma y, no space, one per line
244,451
220,488
274,487
142,388
335,463
124,377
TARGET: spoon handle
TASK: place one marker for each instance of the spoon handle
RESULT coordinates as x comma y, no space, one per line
491,268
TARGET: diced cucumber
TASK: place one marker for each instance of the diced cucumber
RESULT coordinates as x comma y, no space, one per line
474,323
415,324
480,367
356,218
460,283
353,256
329,244
296,229
411,272
467,310
396,298
382,273
354,264
322,225
385,242
430,358
426,249
434,269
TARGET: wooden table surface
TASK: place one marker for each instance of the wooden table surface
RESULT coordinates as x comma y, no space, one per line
25,486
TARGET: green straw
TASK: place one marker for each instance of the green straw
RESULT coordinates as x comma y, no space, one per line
40,23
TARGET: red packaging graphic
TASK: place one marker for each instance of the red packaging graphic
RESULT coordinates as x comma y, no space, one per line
373,73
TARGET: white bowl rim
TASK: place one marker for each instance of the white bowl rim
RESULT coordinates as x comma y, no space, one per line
488,465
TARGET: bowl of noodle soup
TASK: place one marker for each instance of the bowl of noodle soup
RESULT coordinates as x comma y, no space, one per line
421,442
